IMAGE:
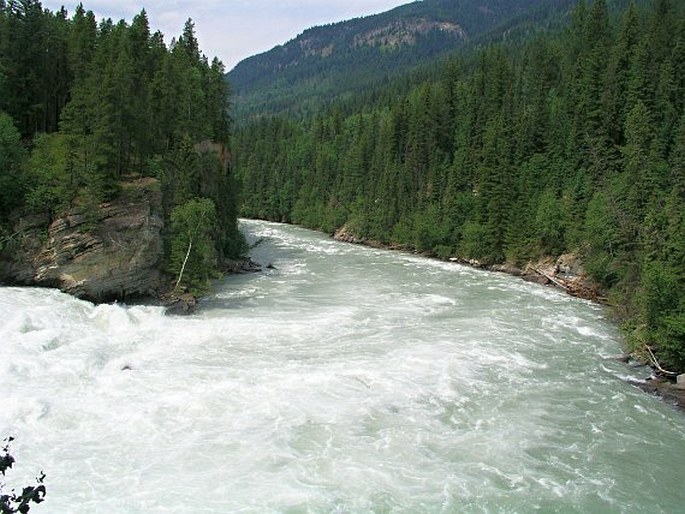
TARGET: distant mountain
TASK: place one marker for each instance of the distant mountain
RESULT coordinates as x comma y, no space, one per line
351,56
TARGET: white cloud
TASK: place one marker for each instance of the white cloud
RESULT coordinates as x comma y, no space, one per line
233,29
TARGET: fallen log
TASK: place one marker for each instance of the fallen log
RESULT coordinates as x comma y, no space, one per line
656,364
552,279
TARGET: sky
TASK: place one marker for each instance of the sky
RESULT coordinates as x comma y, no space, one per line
233,29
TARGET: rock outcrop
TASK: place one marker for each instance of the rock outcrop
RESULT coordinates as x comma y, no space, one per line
670,392
567,273
345,235
111,253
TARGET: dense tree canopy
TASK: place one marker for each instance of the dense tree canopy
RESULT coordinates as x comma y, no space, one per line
85,105
568,142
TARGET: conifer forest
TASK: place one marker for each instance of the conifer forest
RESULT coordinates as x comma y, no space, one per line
565,141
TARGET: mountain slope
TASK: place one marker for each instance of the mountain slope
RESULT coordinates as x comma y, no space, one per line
350,56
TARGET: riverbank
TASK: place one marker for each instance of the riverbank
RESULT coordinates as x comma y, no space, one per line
183,303
112,252
565,272
668,391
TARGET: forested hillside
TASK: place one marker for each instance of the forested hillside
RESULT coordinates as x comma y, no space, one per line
566,142
86,106
346,58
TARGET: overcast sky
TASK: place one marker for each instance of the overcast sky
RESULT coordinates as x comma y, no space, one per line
233,29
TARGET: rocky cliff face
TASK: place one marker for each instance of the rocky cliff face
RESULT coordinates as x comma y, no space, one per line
114,253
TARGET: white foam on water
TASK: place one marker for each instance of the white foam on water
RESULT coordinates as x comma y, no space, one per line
335,383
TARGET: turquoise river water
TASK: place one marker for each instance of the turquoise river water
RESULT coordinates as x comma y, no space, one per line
347,379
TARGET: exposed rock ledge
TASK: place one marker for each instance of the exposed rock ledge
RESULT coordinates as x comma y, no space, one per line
113,253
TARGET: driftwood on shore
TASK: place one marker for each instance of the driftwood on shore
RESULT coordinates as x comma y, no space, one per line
573,284
553,280
656,365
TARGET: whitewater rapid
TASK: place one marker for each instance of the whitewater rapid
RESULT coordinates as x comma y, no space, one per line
347,379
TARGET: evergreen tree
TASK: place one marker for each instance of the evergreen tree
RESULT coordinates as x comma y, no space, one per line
11,162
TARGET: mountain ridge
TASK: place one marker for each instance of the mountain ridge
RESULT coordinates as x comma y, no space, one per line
331,60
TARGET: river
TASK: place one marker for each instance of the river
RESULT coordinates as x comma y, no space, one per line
347,379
